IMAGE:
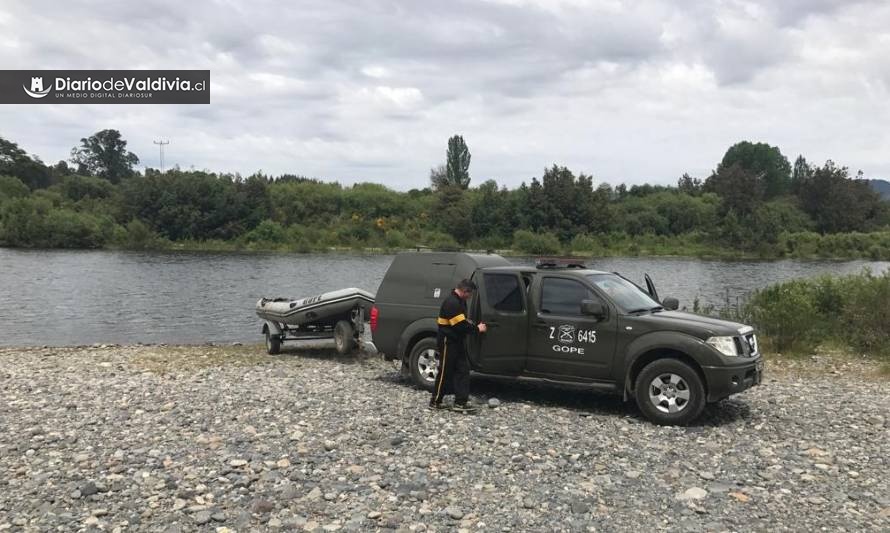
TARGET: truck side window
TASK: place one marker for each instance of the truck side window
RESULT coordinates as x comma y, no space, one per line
563,296
503,292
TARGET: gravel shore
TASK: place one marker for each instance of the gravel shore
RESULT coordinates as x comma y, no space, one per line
208,438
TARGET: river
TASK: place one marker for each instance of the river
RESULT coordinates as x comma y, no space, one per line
62,297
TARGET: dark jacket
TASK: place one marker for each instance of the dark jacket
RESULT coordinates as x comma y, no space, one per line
453,321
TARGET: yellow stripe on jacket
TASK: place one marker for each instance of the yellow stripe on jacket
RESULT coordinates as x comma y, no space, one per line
451,321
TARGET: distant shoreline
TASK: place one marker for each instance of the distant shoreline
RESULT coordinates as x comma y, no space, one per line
713,254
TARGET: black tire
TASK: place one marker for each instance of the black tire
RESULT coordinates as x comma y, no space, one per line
424,363
669,392
344,337
273,343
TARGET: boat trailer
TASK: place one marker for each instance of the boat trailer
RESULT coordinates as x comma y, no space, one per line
338,315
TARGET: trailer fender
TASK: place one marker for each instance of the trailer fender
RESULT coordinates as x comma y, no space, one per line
271,327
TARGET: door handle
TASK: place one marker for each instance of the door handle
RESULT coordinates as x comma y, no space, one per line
540,324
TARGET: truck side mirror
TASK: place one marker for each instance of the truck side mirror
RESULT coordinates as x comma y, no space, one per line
593,308
671,304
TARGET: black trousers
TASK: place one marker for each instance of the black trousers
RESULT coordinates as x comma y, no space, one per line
454,372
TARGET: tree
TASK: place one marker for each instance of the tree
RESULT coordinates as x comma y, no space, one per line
740,189
457,162
16,162
533,205
801,172
61,170
689,185
763,161
11,187
837,203
104,154
189,205
454,213
438,177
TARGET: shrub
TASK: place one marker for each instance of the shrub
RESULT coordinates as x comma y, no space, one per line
77,188
492,242
70,229
854,310
865,316
137,236
787,314
395,239
24,222
439,241
536,243
268,231
586,244
11,187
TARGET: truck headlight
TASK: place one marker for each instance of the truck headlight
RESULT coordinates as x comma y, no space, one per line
724,345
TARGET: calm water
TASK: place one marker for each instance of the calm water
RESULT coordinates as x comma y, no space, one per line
83,297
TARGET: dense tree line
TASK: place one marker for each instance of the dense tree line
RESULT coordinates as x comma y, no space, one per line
754,202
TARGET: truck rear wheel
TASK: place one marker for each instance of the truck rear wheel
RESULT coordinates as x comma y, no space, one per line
344,337
669,392
424,362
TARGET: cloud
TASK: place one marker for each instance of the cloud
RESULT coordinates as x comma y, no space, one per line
371,90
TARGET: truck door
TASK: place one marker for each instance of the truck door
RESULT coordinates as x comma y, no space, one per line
502,305
650,287
562,341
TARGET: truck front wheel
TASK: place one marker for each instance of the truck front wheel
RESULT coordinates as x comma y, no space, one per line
669,392
424,362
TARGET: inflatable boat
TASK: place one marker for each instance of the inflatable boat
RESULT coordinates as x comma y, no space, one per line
323,310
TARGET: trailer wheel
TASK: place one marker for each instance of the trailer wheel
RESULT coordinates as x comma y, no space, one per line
344,337
273,343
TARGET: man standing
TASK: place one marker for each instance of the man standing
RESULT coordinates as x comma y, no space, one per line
454,366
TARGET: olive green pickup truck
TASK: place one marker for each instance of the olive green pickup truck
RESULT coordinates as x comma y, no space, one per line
562,323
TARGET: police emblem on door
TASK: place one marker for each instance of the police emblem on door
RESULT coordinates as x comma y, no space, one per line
567,334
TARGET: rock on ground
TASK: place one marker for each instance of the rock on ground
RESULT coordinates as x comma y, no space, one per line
202,438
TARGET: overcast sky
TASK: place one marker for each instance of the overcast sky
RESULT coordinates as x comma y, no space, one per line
627,91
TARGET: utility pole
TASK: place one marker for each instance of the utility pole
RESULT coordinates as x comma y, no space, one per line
161,145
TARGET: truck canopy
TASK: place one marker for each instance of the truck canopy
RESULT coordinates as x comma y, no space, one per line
427,278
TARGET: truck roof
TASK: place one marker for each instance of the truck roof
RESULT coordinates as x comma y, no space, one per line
534,270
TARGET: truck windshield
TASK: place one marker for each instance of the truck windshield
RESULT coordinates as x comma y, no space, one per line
627,296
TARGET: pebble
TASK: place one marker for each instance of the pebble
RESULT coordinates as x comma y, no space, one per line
208,438
694,493
454,513
88,489
261,506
